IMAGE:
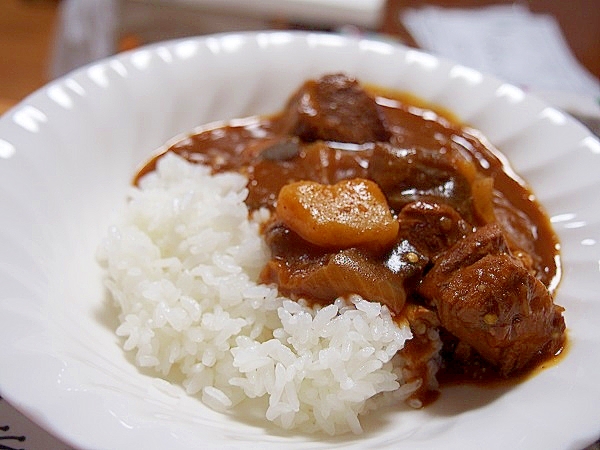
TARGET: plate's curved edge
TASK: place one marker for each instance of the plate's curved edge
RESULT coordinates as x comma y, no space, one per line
435,87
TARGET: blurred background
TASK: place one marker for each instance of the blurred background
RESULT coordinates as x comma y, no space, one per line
42,39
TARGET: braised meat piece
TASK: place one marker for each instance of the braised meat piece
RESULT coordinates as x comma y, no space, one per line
431,227
488,299
425,230
408,175
486,240
521,235
335,108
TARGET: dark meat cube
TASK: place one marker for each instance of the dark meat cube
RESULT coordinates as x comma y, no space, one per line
431,227
425,230
484,241
408,175
489,300
335,108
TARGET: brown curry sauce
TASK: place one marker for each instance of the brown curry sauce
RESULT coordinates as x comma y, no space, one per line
264,149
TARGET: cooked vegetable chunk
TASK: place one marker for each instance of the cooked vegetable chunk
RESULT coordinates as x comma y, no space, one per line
334,275
350,213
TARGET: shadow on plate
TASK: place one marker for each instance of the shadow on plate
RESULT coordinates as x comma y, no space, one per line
458,399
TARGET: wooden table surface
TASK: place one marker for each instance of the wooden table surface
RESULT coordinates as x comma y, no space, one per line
578,19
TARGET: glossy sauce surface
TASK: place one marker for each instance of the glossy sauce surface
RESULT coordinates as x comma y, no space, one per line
238,146
442,161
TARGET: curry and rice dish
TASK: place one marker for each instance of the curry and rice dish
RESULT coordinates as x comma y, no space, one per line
350,252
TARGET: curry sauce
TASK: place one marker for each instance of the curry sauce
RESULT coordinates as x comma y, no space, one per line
475,258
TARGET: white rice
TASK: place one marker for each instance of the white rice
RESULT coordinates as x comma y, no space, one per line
182,266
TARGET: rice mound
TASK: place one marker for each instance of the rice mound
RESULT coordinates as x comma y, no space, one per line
182,265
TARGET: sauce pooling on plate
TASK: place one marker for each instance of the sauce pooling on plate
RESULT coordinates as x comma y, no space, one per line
373,195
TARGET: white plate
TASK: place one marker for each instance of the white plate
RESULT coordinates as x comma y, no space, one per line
68,152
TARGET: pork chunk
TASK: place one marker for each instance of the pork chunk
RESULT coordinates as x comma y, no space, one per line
489,300
431,227
408,175
335,108
425,230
